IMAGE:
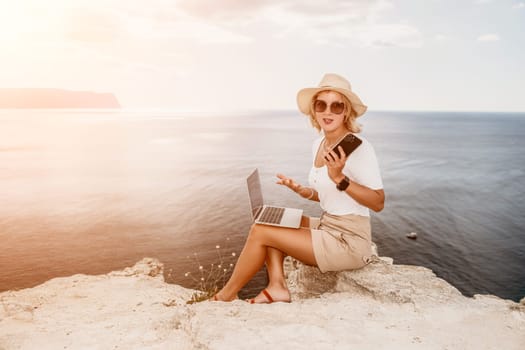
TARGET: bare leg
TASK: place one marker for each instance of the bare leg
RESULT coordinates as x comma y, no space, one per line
274,265
294,242
277,287
305,221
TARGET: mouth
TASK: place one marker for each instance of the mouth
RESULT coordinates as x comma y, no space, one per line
327,121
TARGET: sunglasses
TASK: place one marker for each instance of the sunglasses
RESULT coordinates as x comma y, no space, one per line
335,107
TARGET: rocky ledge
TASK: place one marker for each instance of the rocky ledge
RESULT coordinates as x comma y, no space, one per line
382,306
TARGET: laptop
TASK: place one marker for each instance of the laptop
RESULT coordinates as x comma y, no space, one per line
270,215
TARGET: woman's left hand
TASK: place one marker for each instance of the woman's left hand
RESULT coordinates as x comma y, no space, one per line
335,164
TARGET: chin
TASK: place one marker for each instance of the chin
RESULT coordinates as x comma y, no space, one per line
330,128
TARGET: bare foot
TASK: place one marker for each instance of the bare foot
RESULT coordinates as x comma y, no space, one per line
271,295
218,297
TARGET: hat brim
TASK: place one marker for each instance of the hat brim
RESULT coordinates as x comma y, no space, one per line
304,98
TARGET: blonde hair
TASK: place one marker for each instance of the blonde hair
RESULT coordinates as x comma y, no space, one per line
349,114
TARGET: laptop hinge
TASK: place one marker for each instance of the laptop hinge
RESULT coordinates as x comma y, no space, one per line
257,212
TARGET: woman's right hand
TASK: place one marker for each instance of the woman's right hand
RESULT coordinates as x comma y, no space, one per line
288,182
305,192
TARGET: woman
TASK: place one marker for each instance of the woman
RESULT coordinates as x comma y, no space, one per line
346,187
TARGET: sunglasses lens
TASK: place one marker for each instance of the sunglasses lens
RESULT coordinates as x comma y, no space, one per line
337,107
319,106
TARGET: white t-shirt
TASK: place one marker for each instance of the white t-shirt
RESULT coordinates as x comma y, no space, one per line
361,167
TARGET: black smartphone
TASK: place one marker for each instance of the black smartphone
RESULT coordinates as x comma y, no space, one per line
349,144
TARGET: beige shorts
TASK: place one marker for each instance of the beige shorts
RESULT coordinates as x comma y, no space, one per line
341,242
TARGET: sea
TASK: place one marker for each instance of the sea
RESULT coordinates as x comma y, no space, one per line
92,191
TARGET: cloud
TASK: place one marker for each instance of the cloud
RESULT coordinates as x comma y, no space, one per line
353,8
388,35
488,37
180,28
132,21
333,22
361,23
107,21
204,22
222,9
239,8
120,38
92,25
518,5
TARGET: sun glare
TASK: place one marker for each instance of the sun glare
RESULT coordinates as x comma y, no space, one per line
13,20
28,20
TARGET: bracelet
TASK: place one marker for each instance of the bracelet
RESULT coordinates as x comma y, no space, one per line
312,195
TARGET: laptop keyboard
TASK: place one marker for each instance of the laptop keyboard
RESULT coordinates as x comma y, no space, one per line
272,215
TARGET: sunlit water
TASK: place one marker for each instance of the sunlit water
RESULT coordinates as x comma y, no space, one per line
90,192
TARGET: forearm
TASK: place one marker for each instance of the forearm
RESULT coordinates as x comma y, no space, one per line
305,192
308,193
373,199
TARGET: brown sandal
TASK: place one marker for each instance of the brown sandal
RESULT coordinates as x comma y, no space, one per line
266,294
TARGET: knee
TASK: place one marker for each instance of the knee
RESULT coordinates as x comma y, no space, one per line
256,232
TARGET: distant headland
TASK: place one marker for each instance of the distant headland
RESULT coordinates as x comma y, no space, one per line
55,98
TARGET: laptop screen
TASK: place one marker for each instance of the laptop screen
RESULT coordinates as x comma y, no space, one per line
255,192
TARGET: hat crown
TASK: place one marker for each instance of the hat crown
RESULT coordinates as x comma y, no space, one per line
335,81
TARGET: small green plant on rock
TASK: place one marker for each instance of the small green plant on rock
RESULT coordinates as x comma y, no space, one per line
208,281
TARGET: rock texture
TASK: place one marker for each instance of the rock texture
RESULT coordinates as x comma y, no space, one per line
382,306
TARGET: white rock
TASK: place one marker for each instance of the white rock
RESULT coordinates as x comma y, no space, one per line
382,306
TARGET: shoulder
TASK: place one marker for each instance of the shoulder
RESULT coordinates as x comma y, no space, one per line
365,143
365,149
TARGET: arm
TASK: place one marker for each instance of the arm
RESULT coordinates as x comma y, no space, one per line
373,199
305,192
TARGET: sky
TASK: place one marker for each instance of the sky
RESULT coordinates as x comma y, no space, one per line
236,55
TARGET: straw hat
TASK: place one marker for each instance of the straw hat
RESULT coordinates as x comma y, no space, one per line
332,82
